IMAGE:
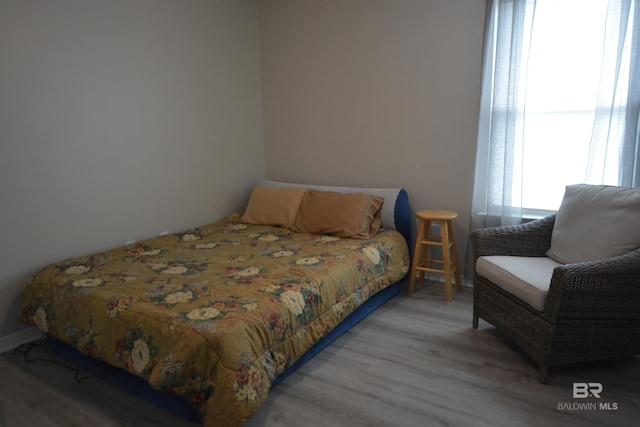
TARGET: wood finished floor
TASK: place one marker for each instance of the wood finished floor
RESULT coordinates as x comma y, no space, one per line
416,361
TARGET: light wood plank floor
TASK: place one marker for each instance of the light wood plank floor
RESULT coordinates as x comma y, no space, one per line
416,361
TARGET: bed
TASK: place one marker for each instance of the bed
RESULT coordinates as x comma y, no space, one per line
218,314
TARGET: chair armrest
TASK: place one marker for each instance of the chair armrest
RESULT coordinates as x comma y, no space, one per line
604,289
528,239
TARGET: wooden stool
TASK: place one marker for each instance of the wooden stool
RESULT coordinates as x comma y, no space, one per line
422,262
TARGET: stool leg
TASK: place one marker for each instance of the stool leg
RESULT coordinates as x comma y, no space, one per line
416,257
424,257
444,231
454,255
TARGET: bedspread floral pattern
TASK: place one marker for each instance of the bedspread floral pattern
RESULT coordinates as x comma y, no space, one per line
213,314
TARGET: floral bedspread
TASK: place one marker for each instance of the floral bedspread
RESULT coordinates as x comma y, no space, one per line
213,314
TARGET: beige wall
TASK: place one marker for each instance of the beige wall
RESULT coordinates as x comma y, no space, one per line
121,119
374,93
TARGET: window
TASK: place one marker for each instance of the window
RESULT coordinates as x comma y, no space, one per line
563,78
560,103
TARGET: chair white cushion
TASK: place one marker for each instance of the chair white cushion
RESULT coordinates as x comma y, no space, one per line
527,278
596,222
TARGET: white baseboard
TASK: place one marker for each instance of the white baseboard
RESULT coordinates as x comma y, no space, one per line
10,342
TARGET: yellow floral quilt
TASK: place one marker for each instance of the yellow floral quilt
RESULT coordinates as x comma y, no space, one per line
216,313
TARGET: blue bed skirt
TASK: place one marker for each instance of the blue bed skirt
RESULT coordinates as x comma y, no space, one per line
180,407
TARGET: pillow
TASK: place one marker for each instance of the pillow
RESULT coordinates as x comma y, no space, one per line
595,222
356,215
273,206
396,210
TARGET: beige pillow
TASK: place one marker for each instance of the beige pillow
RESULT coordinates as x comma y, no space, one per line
595,222
273,206
356,215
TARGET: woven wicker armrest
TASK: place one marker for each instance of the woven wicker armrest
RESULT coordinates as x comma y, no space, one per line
528,239
605,289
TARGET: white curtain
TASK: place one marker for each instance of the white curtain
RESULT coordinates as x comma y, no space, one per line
501,124
613,156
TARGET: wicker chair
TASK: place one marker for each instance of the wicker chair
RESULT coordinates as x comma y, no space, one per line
591,311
